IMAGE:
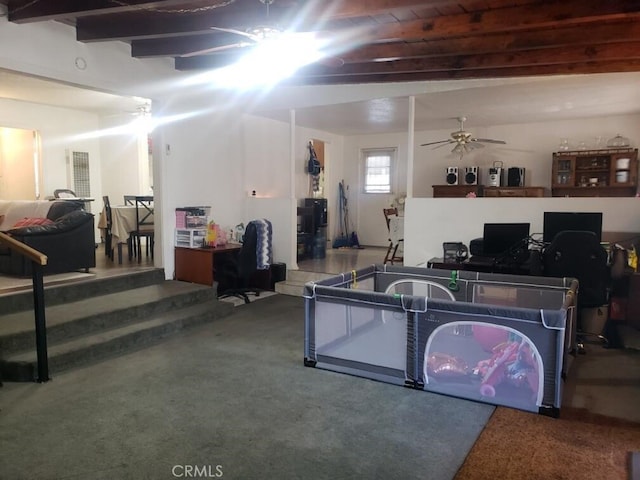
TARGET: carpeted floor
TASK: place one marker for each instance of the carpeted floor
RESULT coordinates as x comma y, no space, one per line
578,445
233,394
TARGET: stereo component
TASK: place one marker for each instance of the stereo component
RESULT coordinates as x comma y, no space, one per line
495,177
515,177
471,175
452,175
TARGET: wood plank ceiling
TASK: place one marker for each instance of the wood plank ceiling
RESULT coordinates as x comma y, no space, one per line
375,40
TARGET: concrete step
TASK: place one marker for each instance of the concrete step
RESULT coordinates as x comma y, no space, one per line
301,276
103,325
290,288
88,349
296,280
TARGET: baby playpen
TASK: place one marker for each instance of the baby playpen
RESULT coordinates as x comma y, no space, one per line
498,339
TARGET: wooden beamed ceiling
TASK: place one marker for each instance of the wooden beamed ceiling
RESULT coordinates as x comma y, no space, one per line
371,40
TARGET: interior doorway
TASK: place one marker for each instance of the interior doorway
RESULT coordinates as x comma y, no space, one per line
20,165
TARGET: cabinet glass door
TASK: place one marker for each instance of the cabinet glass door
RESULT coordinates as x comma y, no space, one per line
564,172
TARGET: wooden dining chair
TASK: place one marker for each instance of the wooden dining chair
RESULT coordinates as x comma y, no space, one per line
392,251
144,228
109,246
108,236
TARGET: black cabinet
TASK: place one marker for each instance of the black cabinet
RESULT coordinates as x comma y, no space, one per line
312,223
318,218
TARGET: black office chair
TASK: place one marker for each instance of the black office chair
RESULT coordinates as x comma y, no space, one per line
579,255
234,275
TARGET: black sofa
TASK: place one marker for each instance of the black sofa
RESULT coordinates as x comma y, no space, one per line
69,242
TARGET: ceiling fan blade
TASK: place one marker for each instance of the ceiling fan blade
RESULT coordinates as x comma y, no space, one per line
216,49
251,36
434,143
488,140
474,145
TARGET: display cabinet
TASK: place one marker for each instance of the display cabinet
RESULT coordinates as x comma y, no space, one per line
595,173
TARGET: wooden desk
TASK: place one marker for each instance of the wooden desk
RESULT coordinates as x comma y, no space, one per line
197,265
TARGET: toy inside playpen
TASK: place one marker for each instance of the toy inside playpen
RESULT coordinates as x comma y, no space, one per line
499,339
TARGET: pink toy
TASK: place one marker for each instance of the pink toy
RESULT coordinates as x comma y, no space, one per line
512,362
489,336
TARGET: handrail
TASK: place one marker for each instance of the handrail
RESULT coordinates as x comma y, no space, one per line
23,249
38,260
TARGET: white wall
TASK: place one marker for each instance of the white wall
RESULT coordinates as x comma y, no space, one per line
119,165
366,209
431,221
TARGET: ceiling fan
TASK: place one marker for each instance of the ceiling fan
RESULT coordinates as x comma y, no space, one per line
247,38
464,141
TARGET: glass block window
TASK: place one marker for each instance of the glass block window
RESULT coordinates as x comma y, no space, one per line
378,168
81,182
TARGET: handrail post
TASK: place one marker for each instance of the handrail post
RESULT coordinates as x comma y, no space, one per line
41,327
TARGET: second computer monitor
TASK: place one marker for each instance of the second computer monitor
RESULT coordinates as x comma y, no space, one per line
499,238
556,222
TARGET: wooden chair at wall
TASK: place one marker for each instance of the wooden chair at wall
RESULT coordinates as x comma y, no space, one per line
392,251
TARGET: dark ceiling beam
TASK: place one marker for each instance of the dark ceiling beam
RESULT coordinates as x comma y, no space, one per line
339,9
206,62
520,18
621,66
553,15
528,58
498,42
163,47
64,9
148,25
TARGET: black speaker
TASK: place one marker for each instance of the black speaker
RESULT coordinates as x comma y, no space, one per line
471,175
452,175
278,273
515,177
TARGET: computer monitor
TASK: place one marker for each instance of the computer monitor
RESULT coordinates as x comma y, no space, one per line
499,238
556,222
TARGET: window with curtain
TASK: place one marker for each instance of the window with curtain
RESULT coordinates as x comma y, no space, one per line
378,170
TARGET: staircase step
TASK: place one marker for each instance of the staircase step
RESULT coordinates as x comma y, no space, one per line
100,312
102,345
70,292
301,276
293,289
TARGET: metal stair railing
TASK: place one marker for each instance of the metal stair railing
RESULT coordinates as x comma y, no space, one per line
38,261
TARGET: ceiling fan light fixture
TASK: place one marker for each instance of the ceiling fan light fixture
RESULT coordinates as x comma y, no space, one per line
265,32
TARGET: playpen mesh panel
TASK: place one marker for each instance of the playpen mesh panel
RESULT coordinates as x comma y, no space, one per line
517,296
361,333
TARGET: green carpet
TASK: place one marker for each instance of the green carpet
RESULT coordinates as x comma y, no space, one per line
231,396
